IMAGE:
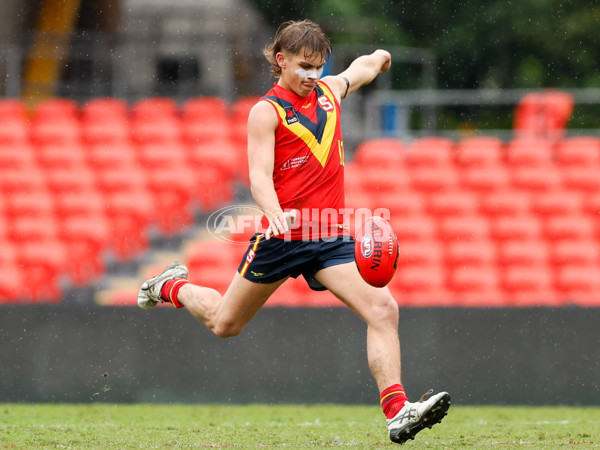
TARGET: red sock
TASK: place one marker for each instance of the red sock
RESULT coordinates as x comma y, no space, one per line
392,400
170,290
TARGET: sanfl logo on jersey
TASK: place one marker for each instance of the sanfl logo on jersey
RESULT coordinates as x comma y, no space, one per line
325,103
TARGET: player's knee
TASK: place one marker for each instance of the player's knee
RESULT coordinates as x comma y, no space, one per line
386,311
226,330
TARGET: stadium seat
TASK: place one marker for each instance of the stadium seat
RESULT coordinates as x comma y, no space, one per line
56,108
578,151
430,152
121,179
523,252
85,239
112,130
29,204
205,131
33,229
63,180
382,153
204,108
117,155
582,178
505,202
530,285
14,131
579,284
451,202
432,178
26,179
420,285
480,151
470,252
12,282
211,190
155,155
476,285
83,203
464,227
419,253
484,179
71,156
575,252
399,204
164,131
103,109
42,263
518,227
57,131
536,179
529,151
377,181
153,108
571,226
16,156
543,114
12,108
557,202
414,227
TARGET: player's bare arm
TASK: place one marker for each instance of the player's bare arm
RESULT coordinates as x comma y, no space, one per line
262,122
361,71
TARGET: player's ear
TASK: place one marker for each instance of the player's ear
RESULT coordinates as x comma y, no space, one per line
281,59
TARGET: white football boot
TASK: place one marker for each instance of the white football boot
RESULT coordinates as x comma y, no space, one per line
414,417
149,294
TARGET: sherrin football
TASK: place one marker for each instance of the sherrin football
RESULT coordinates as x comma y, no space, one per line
376,251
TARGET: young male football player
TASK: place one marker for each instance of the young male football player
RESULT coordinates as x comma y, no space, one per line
296,164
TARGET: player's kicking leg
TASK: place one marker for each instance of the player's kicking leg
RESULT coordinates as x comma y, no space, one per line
150,292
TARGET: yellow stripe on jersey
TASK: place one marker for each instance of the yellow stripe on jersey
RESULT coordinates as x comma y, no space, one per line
253,250
321,149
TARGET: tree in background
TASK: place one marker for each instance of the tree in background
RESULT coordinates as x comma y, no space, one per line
488,43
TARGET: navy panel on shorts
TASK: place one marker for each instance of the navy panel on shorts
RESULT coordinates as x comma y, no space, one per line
267,261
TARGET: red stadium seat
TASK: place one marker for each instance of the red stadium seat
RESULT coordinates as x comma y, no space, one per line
400,204
42,263
582,178
204,108
418,227
419,253
543,114
523,252
583,252
26,179
471,252
451,202
578,151
464,227
430,151
505,202
121,179
148,109
518,227
12,282
111,156
112,130
205,131
484,179
476,285
70,156
54,130
16,156
480,151
152,155
84,203
579,284
33,228
102,109
377,181
557,202
14,131
536,179
529,151
530,285
382,153
572,226
211,190
12,107
63,180
56,108
164,131
412,280
433,178
29,204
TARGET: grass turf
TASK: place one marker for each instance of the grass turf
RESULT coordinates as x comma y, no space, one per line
290,426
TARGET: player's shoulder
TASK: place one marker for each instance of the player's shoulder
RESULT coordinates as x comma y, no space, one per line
262,113
335,84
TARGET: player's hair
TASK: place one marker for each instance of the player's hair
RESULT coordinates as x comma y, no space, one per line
292,37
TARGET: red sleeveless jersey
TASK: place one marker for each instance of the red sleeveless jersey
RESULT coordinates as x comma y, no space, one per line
308,172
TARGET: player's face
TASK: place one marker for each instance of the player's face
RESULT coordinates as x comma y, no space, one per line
300,72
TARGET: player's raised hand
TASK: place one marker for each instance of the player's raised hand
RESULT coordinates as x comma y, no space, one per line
280,222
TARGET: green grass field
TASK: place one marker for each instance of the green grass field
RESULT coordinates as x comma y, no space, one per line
290,426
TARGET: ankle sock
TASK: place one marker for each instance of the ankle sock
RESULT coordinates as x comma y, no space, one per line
170,290
392,400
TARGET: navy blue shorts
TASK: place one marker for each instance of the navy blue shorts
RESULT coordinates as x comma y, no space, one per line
267,261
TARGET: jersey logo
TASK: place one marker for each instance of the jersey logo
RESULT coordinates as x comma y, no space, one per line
290,115
318,136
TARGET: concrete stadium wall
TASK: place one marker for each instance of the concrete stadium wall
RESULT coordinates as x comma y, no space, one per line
481,356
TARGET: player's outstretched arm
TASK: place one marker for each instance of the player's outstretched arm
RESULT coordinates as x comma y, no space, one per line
361,71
